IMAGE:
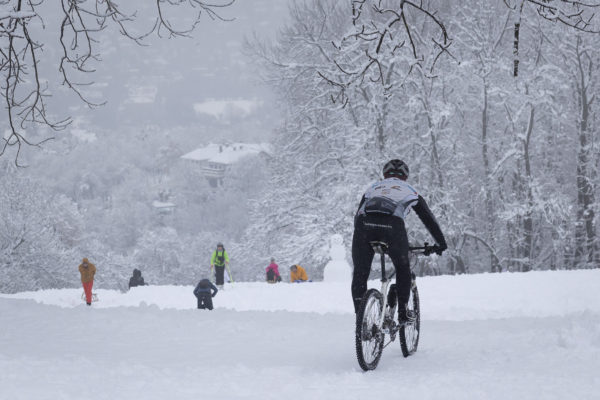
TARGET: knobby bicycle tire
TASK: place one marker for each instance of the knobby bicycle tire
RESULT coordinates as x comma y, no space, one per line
369,339
409,333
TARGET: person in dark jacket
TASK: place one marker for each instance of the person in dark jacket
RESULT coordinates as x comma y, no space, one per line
137,279
204,292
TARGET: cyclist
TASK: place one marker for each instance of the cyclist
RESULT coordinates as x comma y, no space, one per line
380,217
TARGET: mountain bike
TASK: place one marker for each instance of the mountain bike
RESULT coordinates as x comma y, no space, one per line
376,317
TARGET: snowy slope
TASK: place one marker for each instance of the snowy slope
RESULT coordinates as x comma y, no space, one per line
509,336
484,296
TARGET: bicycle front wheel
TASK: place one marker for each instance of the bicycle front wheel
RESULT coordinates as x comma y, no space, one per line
409,332
369,337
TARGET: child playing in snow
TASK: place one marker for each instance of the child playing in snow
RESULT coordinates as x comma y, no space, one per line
273,272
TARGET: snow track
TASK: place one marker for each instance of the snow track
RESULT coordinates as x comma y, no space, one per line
145,352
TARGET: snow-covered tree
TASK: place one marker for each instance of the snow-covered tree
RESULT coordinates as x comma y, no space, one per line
490,152
37,231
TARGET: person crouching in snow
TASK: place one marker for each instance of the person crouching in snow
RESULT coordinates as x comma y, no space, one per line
137,279
87,271
273,272
298,274
204,292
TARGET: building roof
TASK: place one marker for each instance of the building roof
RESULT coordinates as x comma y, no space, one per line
160,204
226,153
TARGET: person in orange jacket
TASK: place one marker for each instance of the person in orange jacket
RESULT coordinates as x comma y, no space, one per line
298,274
87,271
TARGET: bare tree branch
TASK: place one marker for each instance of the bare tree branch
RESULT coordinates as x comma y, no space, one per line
380,34
24,91
580,15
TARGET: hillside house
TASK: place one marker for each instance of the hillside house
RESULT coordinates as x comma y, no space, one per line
214,160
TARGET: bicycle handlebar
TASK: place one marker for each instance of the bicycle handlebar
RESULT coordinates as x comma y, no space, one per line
426,249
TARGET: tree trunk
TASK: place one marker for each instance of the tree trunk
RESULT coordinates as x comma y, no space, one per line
489,207
381,123
585,231
516,39
527,249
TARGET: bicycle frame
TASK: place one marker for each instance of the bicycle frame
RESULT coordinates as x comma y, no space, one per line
381,249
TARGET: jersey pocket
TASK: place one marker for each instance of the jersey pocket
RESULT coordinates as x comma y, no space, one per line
380,205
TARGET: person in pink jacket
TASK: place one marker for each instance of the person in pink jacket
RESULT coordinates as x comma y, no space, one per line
273,272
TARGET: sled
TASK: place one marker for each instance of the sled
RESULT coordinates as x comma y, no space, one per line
94,297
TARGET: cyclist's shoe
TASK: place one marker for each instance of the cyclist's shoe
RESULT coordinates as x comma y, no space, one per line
406,316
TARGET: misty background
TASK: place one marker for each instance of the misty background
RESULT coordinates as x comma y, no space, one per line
508,164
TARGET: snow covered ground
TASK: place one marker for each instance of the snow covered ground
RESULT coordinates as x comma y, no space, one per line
502,336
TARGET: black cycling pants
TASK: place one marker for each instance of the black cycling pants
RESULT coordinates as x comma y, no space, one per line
384,228
205,301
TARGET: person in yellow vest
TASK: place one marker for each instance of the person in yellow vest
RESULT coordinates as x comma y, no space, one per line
298,274
218,262
87,271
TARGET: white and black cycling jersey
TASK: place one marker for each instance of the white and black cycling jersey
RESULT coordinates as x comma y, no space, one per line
395,197
390,196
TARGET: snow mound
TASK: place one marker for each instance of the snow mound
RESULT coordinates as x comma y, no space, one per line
457,298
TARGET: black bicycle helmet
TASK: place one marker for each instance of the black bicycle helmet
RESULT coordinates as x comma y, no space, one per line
397,168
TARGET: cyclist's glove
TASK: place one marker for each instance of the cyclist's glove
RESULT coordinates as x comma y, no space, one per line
439,249
429,250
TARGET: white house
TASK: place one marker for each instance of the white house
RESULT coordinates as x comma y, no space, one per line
163,208
215,159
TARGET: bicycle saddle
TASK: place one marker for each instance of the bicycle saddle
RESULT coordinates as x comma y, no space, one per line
379,247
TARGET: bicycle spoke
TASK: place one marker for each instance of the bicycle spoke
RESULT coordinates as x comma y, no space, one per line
369,338
409,334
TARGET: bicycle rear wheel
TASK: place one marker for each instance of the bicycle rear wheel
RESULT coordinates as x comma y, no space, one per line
369,338
409,332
